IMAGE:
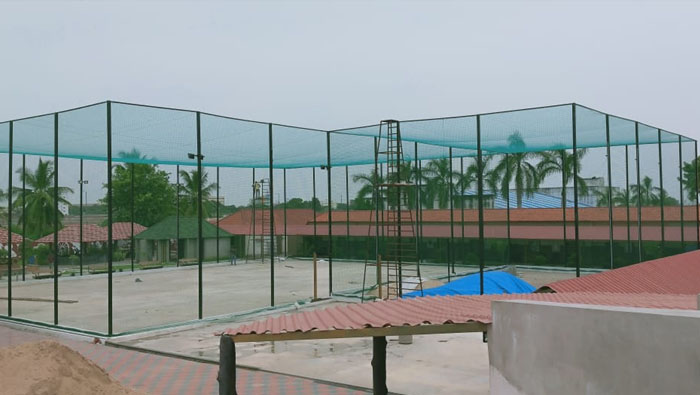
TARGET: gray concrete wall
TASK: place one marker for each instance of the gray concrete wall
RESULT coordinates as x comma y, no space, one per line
538,348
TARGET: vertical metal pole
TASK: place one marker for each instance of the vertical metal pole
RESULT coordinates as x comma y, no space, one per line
347,210
680,186
284,186
420,203
132,217
375,194
462,250
254,197
480,192
177,217
9,226
610,204
639,193
662,196
272,218
313,204
109,221
416,182
24,221
55,219
697,203
508,209
218,203
564,203
330,215
450,252
200,252
576,230
81,218
627,199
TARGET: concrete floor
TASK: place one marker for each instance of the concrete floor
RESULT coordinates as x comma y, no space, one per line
157,297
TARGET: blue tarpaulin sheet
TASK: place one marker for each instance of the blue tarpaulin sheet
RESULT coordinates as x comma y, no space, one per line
494,283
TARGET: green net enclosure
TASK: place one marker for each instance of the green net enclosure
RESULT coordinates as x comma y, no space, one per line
118,217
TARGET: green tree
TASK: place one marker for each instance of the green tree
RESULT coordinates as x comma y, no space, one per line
154,196
516,168
39,195
690,179
562,162
189,194
644,193
440,181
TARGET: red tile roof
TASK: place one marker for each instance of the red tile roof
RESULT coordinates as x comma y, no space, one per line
93,233
677,274
16,239
239,223
440,310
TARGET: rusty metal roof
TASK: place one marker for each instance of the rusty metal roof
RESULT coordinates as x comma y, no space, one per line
677,274
438,310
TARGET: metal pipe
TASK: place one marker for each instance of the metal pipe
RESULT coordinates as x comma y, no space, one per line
450,253
627,199
109,221
254,197
55,219
639,193
697,203
313,204
284,187
680,186
480,192
330,215
131,247
218,203
24,221
177,218
272,219
9,224
662,196
81,213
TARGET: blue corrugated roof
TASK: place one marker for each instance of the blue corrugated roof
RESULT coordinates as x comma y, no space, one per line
536,200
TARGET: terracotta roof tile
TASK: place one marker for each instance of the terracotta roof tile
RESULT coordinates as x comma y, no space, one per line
440,310
677,274
93,233
16,239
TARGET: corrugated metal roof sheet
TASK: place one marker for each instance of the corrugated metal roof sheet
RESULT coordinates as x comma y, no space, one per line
678,274
536,200
439,310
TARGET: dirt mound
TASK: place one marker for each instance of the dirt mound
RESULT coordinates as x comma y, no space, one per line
48,367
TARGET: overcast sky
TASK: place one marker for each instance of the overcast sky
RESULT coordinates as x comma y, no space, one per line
338,64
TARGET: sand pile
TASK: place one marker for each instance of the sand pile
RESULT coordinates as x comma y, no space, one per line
48,367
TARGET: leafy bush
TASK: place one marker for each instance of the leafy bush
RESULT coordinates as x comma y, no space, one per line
117,255
42,252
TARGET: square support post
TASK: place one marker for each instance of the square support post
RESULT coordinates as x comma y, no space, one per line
416,181
450,250
379,365
131,247
177,218
284,186
80,240
313,205
218,204
24,220
680,187
639,194
697,202
254,197
662,192
627,200
227,366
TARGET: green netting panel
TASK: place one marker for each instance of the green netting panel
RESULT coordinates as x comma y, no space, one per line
348,150
297,147
234,143
448,132
527,130
590,128
34,136
152,135
4,137
82,133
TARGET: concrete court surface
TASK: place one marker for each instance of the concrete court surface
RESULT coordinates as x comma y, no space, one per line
433,364
147,298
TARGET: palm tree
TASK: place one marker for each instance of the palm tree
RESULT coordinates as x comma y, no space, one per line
364,197
562,162
470,177
644,193
515,168
440,181
190,193
39,195
690,179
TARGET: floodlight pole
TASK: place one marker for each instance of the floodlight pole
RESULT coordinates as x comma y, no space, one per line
200,252
662,194
9,226
680,186
480,192
610,205
272,219
639,194
330,215
575,163
109,222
